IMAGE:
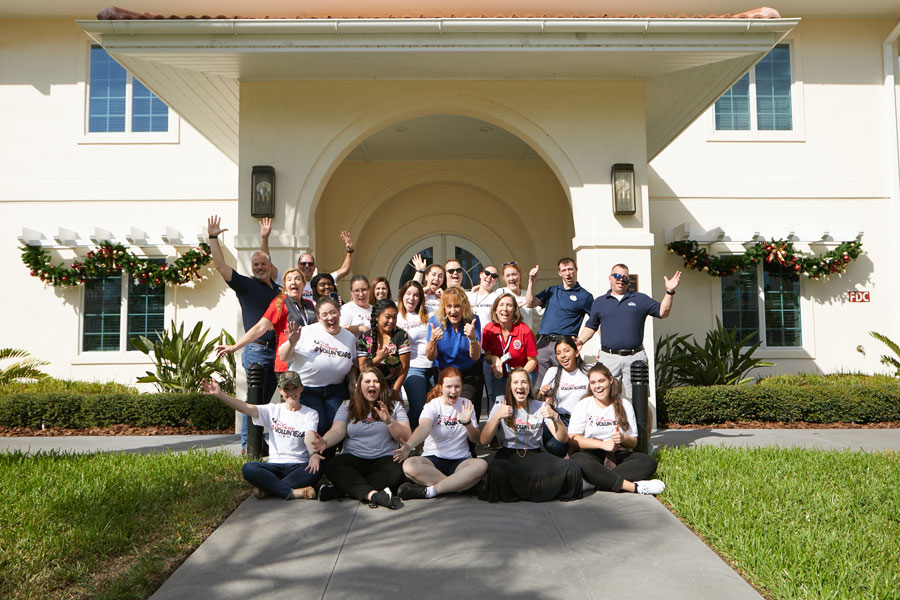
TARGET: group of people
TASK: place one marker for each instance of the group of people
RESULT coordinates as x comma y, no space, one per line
384,397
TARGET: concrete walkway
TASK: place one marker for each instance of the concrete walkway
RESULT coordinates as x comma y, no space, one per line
604,546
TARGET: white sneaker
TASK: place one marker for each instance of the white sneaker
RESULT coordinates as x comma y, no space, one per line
650,487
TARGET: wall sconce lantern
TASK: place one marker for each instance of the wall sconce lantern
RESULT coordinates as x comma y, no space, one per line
262,191
623,189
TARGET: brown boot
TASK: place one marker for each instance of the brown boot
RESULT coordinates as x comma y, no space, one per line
306,493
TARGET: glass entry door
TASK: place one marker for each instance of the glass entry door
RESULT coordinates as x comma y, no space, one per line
439,249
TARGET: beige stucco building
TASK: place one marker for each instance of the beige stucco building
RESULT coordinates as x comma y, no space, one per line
490,128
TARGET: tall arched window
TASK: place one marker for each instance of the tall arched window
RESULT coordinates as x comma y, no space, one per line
439,249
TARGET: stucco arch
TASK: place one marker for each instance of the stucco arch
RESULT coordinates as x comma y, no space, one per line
418,105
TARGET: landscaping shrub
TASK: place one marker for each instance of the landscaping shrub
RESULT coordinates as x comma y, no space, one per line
871,402
73,410
51,384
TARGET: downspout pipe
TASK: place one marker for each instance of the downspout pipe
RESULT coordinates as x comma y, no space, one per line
893,153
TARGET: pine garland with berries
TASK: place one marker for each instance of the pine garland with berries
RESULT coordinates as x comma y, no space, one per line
779,252
112,259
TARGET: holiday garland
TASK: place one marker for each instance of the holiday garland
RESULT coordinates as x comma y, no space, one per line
111,259
777,251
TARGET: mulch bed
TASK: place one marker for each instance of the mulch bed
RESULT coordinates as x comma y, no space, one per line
787,425
111,430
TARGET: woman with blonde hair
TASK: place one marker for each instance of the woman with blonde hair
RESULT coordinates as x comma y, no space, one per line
603,433
371,424
454,340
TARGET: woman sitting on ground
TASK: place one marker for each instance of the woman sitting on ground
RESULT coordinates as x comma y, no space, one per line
563,388
385,347
447,426
521,470
371,424
603,431
293,465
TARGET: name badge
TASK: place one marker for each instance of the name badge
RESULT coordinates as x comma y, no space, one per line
573,298
504,358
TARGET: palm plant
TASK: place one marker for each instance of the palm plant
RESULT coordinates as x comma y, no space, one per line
721,360
887,360
182,360
28,368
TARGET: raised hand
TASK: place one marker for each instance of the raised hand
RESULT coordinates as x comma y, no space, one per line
382,412
348,241
466,410
210,386
418,262
617,437
533,272
469,330
265,227
437,333
547,412
214,225
504,411
671,284
293,330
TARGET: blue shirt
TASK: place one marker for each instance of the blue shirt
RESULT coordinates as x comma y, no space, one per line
622,320
564,309
453,347
254,297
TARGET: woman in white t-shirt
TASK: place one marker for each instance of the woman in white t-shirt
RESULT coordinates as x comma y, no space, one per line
371,424
356,316
521,470
564,387
603,431
413,319
446,425
293,465
324,354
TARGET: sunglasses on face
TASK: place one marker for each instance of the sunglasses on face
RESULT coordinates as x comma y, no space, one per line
304,263
620,277
454,271
491,275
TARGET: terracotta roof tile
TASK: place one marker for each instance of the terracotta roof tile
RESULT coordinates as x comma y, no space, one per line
114,13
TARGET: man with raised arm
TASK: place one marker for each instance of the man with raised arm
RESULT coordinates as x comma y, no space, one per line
307,263
565,306
622,314
254,295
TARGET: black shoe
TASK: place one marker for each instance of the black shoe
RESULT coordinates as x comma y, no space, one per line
478,489
329,492
383,499
411,491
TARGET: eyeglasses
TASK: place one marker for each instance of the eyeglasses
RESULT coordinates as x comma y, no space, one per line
454,271
304,263
491,275
511,263
619,276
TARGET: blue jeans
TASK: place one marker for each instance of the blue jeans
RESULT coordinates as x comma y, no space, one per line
326,401
418,381
551,444
279,479
257,353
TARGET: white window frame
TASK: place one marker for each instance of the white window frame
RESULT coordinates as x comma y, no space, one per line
125,354
443,244
807,346
796,134
86,137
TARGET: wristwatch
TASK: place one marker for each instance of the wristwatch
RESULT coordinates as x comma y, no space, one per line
670,292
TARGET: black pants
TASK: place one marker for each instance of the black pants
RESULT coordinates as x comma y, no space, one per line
633,466
537,476
473,386
359,476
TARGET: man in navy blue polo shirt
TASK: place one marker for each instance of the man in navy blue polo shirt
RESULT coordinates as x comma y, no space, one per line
622,315
254,294
565,306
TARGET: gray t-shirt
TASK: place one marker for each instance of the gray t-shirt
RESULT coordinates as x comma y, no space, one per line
529,427
369,438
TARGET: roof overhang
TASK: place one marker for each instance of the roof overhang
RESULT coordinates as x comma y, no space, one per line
196,65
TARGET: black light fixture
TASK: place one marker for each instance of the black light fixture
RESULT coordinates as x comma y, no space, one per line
262,191
624,202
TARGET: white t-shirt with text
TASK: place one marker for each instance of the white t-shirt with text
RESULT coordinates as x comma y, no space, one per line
417,331
448,439
287,431
598,422
529,427
321,358
353,315
573,388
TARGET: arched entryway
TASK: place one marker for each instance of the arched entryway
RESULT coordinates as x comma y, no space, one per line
439,249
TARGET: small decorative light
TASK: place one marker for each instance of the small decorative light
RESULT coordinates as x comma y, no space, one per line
624,202
262,191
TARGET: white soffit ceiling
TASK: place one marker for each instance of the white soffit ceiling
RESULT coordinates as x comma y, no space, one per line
195,65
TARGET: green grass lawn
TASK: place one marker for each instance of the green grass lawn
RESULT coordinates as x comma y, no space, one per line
107,525
797,523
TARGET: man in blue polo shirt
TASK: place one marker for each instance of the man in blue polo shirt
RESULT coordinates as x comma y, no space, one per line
565,306
254,294
622,315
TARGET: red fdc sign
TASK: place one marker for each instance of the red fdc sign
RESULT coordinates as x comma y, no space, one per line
858,296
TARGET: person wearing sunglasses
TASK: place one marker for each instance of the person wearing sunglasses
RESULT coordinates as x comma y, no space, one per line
454,272
622,313
306,263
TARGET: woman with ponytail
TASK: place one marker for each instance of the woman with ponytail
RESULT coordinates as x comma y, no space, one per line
603,432
563,388
385,346
446,426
